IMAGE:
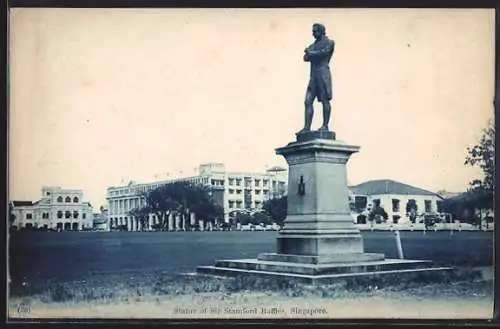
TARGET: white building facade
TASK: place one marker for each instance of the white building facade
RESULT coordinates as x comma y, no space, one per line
394,196
236,191
58,209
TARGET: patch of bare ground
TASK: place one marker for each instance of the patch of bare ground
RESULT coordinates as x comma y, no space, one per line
465,297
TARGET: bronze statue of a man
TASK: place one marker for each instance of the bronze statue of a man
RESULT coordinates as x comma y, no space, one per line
320,82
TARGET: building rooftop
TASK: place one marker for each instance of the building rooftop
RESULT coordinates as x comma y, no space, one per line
187,178
388,186
60,189
21,203
249,174
159,182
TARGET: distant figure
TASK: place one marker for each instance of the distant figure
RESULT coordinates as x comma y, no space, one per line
320,83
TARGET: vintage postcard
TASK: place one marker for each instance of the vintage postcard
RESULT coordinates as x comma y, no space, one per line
251,163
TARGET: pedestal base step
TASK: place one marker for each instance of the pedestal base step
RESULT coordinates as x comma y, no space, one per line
395,275
320,269
322,259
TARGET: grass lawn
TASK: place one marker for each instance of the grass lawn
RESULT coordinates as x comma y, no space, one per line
53,270
71,256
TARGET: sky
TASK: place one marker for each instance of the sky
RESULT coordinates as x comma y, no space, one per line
99,97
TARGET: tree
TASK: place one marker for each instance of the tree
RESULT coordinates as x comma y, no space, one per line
261,217
411,210
200,200
482,155
378,214
179,199
161,202
241,216
462,207
276,209
207,209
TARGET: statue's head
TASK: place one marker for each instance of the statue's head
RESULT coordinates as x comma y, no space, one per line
318,30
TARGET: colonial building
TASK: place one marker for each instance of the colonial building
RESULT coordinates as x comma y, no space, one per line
232,190
394,197
58,209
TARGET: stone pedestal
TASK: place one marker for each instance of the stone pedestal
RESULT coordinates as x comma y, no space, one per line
319,241
318,222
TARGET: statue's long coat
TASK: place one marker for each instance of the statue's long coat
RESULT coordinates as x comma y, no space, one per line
320,80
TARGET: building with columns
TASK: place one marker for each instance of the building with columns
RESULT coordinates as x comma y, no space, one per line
58,209
393,196
233,191
237,191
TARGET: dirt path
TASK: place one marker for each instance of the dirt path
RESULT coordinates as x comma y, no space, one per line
383,305
465,299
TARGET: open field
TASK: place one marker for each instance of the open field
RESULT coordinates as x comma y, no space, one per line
71,256
136,274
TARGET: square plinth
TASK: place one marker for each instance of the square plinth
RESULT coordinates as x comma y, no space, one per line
320,244
360,272
322,259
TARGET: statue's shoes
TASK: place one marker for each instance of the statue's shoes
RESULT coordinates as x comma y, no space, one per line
305,130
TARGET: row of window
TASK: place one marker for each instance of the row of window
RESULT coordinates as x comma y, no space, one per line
60,214
67,199
248,182
257,192
396,204
136,190
67,226
238,204
217,182
361,202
